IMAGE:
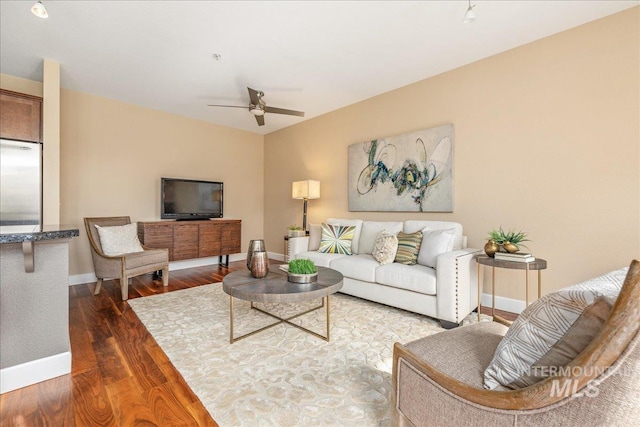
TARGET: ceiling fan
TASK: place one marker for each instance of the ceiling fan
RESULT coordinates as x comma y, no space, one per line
258,107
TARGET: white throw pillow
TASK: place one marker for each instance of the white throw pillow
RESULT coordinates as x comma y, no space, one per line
315,235
119,239
434,244
385,247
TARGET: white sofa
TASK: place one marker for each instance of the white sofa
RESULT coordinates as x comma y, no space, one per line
448,292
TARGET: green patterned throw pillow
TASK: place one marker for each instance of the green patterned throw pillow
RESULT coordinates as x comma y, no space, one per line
336,239
408,247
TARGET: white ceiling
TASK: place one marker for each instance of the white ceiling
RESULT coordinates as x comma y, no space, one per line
310,56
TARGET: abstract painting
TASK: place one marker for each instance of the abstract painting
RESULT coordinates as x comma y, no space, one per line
412,172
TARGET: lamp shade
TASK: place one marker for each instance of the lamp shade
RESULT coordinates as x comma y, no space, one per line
308,189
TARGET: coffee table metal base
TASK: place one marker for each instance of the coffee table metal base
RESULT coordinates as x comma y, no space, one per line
326,337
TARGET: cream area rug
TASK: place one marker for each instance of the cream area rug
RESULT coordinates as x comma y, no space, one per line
283,376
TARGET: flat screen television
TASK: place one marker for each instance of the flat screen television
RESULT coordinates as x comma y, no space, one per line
185,199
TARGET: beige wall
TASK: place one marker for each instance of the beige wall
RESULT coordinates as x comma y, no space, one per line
114,154
546,140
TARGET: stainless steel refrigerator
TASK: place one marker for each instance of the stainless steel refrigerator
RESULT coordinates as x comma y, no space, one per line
20,183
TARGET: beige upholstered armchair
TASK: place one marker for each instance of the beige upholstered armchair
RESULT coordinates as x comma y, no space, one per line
125,266
438,380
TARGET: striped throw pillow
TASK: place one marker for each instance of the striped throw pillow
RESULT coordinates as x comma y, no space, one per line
336,239
408,247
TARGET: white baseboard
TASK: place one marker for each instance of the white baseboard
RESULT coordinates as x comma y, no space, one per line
506,304
15,377
80,279
277,257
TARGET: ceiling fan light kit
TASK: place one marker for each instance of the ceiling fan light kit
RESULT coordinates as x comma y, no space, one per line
258,107
256,111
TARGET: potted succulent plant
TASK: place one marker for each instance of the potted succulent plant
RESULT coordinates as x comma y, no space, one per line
295,231
302,271
510,241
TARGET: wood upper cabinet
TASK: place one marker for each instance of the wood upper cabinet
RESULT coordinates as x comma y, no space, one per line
20,116
192,239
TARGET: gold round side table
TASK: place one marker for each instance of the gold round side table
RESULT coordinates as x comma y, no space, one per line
538,264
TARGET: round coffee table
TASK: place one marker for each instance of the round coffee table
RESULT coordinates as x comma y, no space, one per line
275,288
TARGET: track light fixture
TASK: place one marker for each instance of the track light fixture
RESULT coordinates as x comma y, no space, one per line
39,10
470,15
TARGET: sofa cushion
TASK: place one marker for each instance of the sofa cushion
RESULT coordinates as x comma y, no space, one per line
370,232
413,226
119,239
359,267
408,247
357,223
315,235
434,244
320,259
336,239
552,331
384,251
416,278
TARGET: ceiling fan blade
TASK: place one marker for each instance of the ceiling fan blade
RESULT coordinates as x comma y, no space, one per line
255,96
260,120
230,106
283,111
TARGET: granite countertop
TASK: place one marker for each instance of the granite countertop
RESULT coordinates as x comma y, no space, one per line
35,233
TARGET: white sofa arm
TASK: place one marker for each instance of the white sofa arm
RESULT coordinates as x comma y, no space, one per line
457,284
297,245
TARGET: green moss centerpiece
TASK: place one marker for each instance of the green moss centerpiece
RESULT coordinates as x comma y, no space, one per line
302,271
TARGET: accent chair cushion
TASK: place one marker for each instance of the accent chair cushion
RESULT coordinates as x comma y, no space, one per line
434,244
552,331
336,239
119,239
408,247
385,247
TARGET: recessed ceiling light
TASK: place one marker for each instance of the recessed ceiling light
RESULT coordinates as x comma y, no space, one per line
39,10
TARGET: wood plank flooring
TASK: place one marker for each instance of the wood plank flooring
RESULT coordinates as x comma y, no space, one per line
120,376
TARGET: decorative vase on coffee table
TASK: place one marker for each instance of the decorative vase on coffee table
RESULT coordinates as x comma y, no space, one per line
254,246
259,264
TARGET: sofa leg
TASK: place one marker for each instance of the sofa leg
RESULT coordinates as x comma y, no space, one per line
448,325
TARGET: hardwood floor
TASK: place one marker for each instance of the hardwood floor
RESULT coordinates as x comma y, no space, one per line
120,376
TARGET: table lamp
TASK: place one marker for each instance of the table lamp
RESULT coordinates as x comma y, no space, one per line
305,190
